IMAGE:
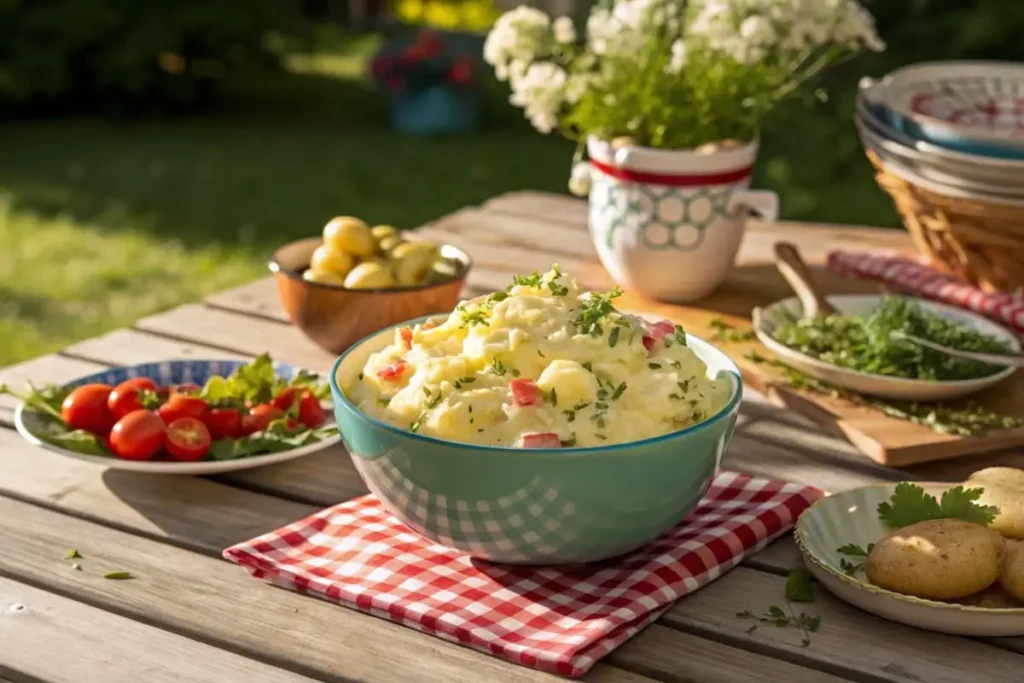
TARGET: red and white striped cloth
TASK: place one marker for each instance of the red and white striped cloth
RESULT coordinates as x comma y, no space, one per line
560,619
913,277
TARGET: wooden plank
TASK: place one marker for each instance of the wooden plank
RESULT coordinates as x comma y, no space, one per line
493,227
49,638
44,370
179,591
849,643
131,347
238,333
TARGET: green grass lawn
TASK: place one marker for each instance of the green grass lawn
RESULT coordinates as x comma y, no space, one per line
104,222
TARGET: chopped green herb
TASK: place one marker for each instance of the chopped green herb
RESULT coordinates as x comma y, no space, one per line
581,405
497,368
72,555
618,391
601,436
383,401
470,409
680,335
570,442
724,332
684,386
865,343
557,289
676,364
475,317
540,353
118,576
588,366
458,384
613,338
594,311
513,372
798,585
532,280
496,297
554,397
654,366
570,415
777,617
360,377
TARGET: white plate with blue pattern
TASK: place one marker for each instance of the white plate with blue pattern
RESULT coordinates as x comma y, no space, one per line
30,424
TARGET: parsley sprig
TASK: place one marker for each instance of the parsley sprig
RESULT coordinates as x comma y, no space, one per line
910,504
594,312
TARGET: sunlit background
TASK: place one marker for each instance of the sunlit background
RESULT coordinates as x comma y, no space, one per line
152,153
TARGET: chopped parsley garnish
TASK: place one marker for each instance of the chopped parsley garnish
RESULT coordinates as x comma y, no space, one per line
588,366
570,442
601,436
497,368
540,353
554,397
496,297
676,364
581,405
570,415
531,280
684,386
383,401
724,332
613,338
458,384
680,335
654,366
594,311
476,317
618,391
360,377
557,289
513,372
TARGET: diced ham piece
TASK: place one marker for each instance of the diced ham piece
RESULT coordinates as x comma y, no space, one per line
658,331
539,440
392,370
405,333
525,392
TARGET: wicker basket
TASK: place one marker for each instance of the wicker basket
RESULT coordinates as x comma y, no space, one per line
976,241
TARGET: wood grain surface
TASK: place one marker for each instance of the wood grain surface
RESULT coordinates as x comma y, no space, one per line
188,615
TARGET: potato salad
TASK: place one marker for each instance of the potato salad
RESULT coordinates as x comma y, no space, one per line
540,365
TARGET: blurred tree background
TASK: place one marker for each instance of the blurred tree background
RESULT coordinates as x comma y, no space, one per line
151,153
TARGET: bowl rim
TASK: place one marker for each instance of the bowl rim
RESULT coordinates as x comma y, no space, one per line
277,269
801,532
729,408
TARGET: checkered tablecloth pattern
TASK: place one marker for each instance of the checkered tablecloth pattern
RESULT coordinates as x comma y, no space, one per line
560,619
913,277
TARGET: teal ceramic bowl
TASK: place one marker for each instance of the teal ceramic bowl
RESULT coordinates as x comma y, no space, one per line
534,506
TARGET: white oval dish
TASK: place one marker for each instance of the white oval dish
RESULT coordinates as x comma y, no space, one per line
166,373
851,517
881,385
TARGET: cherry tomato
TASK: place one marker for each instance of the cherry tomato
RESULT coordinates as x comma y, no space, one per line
188,439
186,388
311,413
138,435
538,440
224,423
285,399
392,370
525,392
124,398
182,405
293,425
86,408
259,417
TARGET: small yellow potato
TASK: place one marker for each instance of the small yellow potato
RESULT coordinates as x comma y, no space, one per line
349,234
369,275
381,232
993,597
1010,501
328,258
942,559
1012,576
389,244
324,277
1001,476
415,246
412,263
442,269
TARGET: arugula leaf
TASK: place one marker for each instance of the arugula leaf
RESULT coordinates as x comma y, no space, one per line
910,504
854,550
274,439
304,379
256,381
77,440
798,585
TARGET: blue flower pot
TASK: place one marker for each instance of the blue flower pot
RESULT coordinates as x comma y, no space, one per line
435,110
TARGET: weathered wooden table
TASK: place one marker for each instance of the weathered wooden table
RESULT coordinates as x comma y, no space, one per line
189,616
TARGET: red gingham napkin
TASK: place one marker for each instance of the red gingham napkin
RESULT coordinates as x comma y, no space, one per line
561,619
913,277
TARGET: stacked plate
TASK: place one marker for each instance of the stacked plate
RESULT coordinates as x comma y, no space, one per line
954,128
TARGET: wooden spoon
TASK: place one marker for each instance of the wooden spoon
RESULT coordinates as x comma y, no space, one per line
798,275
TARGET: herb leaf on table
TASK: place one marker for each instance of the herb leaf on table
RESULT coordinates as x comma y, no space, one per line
798,585
910,504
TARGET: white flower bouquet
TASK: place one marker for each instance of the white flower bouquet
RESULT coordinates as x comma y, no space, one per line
671,74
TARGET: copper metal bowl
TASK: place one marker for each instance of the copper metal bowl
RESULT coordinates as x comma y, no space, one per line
335,317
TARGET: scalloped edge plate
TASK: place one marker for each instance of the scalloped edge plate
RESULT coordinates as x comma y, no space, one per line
172,372
851,517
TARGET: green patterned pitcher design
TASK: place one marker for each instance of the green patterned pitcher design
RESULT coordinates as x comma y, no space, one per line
662,217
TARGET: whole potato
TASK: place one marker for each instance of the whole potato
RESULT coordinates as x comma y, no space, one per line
381,232
369,275
324,277
1001,476
1012,576
941,559
329,258
349,234
993,597
1010,501
389,244
442,269
411,265
415,246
